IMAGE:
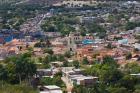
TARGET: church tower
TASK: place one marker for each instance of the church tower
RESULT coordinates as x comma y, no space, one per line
71,42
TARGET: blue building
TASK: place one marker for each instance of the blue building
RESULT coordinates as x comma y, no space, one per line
87,41
123,41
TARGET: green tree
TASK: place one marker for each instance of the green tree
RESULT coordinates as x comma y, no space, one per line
132,68
110,61
67,54
85,61
60,58
21,67
137,89
95,28
76,64
109,74
128,56
7,88
130,25
3,74
117,90
49,51
109,46
128,82
65,64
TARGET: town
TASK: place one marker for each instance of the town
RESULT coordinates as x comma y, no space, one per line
69,46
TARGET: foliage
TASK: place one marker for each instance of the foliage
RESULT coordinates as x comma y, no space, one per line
67,54
131,25
7,88
60,23
85,61
128,56
110,46
114,80
76,64
110,61
19,68
49,51
55,80
40,44
65,64
95,28
118,90
15,15
132,68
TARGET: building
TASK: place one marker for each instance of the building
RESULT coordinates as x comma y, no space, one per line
45,2
137,46
75,76
138,75
91,19
50,89
123,41
72,40
85,51
87,41
53,34
83,80
44,72
78,3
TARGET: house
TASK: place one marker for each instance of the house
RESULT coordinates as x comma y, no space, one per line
44,72
75,76
17,43
87,41
137,30
83,80
135,74
85,51
56,64
72,40
53,34
90,19
38,52
135,19
135,58
123,41
3,53
50,89
2,41
78,3
137,46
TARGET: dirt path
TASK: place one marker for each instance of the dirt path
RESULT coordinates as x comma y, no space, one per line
68,84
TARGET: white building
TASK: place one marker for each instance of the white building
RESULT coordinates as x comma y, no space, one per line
78,3
72,40
75,76
137,46
51,89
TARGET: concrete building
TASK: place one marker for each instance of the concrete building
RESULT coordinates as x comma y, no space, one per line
123,41
78,3
50,89
72,40
75,76
137,46
85,51
44,72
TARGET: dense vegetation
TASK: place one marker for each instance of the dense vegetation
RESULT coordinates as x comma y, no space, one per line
71,23
17,89
12,16
111,78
